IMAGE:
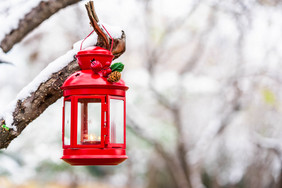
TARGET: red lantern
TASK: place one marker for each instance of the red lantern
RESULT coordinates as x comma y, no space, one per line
94,131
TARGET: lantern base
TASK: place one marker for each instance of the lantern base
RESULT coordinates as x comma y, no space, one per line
97,156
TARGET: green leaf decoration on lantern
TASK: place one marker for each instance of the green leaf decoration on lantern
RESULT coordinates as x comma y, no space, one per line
117,67
5,127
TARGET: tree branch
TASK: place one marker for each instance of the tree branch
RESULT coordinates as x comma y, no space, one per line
27,109
46,94
31,107
33,19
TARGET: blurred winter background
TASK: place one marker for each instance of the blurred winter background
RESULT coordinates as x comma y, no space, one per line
204,104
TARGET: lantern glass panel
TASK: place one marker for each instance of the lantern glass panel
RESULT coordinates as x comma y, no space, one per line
116,121
89,121
67,123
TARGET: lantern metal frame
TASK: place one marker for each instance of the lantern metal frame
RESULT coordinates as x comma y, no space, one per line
86,85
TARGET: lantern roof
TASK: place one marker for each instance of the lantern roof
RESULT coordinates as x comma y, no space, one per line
85,56
87,79
94,50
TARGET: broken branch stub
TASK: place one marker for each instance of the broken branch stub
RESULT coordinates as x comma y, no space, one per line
103,39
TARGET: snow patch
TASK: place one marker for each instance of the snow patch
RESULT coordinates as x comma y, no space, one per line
7,115
18,9
4,58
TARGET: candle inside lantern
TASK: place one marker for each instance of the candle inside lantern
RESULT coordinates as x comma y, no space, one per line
92,139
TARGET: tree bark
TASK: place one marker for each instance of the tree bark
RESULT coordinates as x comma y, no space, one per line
33,19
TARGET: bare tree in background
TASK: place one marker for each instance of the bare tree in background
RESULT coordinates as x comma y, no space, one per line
234,100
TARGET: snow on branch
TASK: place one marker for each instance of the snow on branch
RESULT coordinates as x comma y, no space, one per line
30,20
44,90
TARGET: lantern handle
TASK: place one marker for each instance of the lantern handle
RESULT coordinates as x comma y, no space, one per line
85,39
112,42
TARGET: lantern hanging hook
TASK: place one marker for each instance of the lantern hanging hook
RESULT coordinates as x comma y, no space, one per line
104,37
86,38
112,40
